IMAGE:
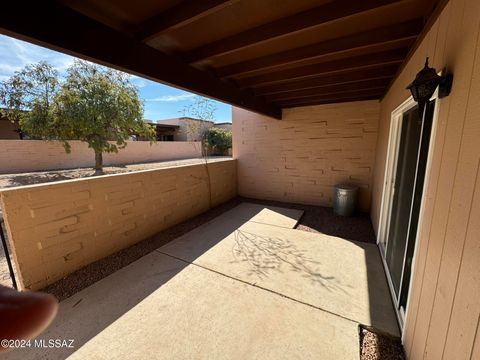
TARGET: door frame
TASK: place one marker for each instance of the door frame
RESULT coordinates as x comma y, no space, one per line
389,180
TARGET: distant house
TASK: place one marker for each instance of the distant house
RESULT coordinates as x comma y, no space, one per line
189,129
165,132
185,128
9,130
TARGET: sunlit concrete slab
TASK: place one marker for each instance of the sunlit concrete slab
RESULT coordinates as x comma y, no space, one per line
343,277
263,214
162,308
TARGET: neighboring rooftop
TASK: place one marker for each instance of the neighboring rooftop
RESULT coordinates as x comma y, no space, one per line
161,121
152,122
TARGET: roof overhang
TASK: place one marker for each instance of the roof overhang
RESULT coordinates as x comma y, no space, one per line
261,56
166,126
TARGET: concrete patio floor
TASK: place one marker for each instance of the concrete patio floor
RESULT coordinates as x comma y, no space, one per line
244,285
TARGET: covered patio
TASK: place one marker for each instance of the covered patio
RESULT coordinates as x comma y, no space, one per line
245,284
319,96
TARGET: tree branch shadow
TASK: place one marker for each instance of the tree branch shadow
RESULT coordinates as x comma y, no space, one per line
268,254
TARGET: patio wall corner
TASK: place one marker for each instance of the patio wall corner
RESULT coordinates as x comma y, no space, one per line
302,157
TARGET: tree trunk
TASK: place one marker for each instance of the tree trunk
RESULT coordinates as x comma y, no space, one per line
98,163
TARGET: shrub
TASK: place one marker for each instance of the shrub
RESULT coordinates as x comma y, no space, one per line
220,140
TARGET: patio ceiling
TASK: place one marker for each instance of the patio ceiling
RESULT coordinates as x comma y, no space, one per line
259,55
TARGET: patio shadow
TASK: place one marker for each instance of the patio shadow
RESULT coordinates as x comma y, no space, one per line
87,313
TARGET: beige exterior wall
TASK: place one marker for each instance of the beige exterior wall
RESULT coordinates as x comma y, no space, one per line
301,157
55,229
37,155
443,313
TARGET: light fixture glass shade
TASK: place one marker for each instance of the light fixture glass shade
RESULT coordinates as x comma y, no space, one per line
425,84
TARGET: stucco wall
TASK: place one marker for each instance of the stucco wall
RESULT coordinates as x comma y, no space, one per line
55,229
301,157
444,310
37,155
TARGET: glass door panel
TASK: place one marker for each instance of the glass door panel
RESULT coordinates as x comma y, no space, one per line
406,199
402,195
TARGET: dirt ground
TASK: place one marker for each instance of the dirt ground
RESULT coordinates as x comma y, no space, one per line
39,177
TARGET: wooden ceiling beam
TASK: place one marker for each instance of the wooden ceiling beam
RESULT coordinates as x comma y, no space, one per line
344,97
50,24
333,101
438,7
286,26
182,14
333,89
352,63
377,48
391,33
386,71
339,94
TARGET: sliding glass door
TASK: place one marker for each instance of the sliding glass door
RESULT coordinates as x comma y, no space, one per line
407,180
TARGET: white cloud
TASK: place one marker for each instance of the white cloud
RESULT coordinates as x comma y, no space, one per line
173,98
8,68
16,54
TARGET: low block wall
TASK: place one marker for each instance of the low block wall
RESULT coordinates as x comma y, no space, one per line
57,228
38,155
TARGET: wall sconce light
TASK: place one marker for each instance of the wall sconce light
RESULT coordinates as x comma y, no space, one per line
425,84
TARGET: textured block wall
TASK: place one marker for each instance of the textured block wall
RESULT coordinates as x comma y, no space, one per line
301,157
37,155
55,229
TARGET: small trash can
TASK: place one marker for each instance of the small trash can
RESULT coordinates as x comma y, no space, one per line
345,199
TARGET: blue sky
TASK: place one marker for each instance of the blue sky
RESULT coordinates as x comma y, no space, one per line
161,101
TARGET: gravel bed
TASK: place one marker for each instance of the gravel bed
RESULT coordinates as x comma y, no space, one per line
376,346
319,219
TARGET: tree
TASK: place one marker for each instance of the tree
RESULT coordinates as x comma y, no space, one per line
94,104
219,139
200,108
204,109
101,107
29,96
